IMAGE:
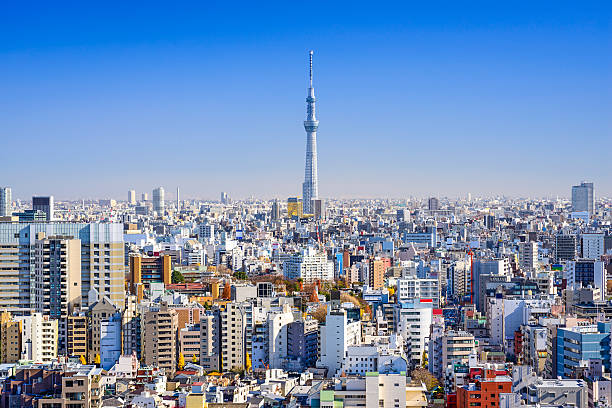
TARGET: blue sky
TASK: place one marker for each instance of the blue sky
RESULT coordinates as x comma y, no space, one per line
414,99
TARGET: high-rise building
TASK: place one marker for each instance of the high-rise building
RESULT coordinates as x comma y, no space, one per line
413,289
99,312
5,202
295,208
178,200
433,204
337,335
144,197
131,197
44,204
225,199
110,341
159,345
565,247
77,335
302,342
376,273
57,279
528,255
210,339
189,341
577,345
149,269
592,245
310,187
585,273
233,336
582,198
131,327
318,208
275,213
39,338
206,233
159,203
457,347
102,261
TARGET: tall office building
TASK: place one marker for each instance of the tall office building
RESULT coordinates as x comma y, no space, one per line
433,204
144,197
132,197
310,187
295,207
275,214
566,246
5,201
44,204
178,200
225,199
159,203
582,198
102,261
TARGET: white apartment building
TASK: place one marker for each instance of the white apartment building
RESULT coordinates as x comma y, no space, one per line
309,265
206,233
413,289
278,319
593,245
414,325
39,338
336,336
233,336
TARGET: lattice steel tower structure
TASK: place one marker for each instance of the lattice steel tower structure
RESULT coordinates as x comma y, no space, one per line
310,187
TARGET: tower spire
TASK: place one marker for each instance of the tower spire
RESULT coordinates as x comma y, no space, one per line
311,52
310,187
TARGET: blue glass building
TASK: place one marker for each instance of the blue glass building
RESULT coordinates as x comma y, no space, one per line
577,345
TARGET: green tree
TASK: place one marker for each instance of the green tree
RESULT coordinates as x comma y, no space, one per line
177,277
241,275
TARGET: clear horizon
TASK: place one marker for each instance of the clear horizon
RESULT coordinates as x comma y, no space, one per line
413,100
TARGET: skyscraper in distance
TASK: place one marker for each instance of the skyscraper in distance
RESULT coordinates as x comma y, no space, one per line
159,203
433,204
44,204
310,187
5,201
132,197
582,197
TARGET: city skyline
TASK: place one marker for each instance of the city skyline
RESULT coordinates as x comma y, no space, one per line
417,101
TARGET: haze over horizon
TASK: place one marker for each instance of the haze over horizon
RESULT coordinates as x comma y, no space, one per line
413,100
